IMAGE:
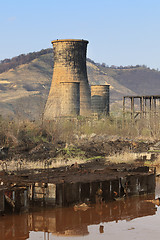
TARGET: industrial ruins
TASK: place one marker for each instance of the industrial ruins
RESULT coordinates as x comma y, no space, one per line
21,190
70,93
148,106
75,220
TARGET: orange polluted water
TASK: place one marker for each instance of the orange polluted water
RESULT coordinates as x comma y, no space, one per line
132,218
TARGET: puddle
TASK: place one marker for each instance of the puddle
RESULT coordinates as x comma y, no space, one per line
130,218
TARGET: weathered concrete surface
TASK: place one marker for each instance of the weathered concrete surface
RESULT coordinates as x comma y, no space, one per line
69,66
70,98
100,99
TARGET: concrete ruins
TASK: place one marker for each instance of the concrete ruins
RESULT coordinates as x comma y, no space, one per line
100,99
70,93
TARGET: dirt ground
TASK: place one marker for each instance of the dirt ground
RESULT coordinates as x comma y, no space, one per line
92,168
85,147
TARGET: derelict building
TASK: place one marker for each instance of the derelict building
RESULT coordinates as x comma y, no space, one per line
70,93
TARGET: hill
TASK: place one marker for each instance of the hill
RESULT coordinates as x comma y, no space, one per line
25,82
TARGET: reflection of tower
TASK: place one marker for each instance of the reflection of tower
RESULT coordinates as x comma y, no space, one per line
100,99
69,67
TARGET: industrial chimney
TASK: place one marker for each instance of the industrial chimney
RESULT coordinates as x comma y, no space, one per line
69,67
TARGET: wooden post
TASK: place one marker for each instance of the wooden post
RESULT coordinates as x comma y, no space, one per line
155,108
124,109
151,113
124,106
132,107
140,106
152,105
145,107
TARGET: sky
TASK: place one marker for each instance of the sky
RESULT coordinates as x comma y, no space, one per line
120,32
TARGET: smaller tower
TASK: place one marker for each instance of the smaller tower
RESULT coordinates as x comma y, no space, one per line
100,99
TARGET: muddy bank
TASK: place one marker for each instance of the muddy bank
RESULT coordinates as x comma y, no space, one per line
82,147
106,146
92,149
36,174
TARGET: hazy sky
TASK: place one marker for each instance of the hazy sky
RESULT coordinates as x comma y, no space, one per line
120,32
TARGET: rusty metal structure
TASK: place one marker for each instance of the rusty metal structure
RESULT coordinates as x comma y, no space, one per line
100,99
148,105
39,189
69,67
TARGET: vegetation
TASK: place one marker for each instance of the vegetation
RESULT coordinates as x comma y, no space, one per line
124,157
7,64
104,65
25,132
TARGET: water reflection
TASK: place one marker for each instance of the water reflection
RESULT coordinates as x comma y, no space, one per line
74,222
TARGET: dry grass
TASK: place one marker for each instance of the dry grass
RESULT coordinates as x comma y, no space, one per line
125,157
16,165
25,132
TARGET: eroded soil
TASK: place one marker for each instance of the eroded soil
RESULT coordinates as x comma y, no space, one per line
85,147
93,166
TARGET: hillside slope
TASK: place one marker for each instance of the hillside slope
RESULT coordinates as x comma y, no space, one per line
24,89
141,80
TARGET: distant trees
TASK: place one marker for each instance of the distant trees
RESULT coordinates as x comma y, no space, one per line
7,64
90,60
103,65
120,67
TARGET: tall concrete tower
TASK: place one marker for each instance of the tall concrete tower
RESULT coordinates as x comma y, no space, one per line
69,67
